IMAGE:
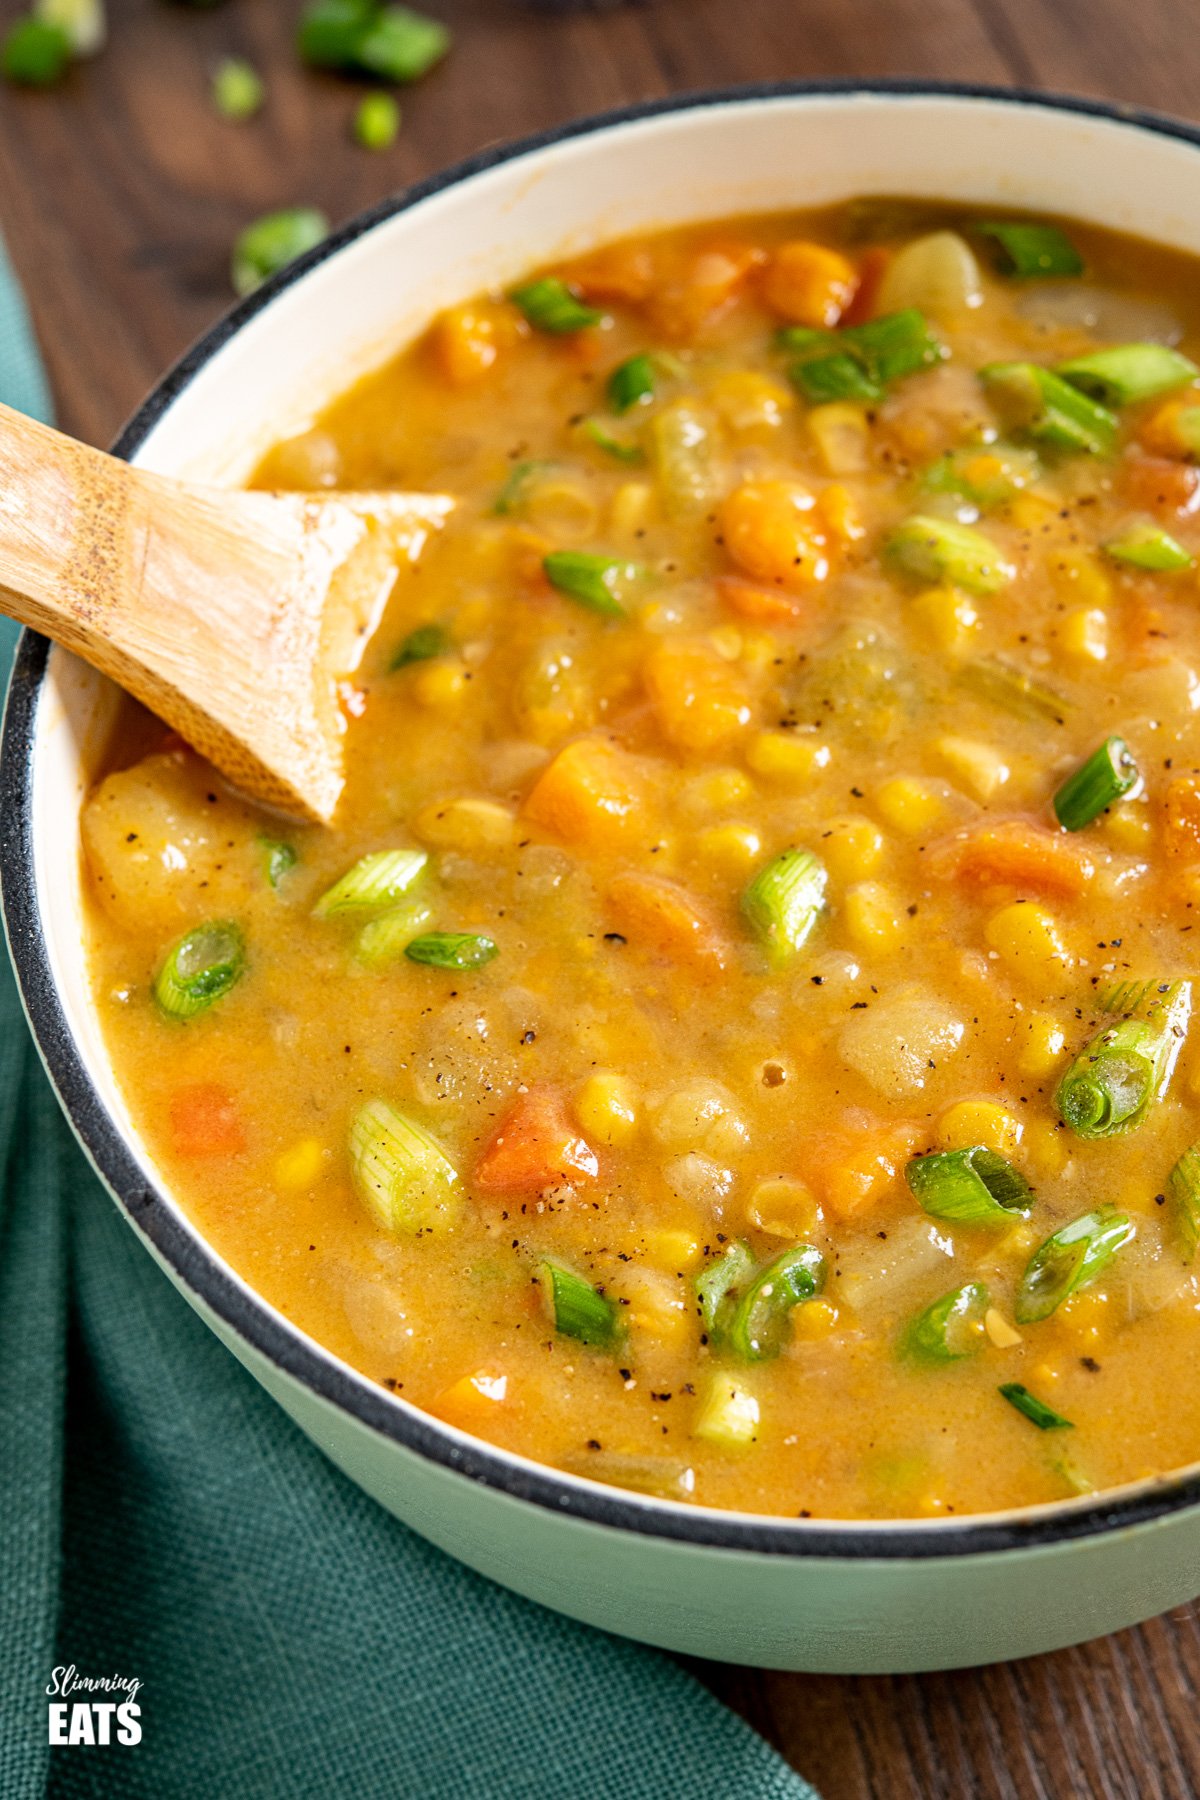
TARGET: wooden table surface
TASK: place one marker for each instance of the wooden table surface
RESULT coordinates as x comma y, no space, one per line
120,194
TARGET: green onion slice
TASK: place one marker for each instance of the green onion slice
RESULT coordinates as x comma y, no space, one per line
717,1286
932,550
1033,1409
1183,1189
377,121
274,241
860,362
1014,690
400,1172
1108,773
278,859
332,30
1041,403
400,45
783,903
1128,373
1068,1260
970,1187
620,449
237,89
1124,998
1147,546
1111,1084
550,305
597,582
422,643
759,1325
376,880
1030,251
632,383
34,53
452,950
1186,425
949,1329
199,968
383,939
515,492
577,1309
838,375
83,21
988,475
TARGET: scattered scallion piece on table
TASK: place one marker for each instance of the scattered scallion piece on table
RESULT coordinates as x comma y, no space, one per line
377,121
452,950
951,1327
401,45
1049,409
1068,1260
632,383
1109,1087
83,21
1127,373
718,1285
1033,1409
331,30
516,485
1014,690
1147,546
376,880
400,1171
933,550
551,306
34,53
728,1414
1108,773
783,903
272,242
422,644
974,1186
278,858
237,89
579,1310
1183,1189
759,1325
597,582
1029,251
384,939
622,450
199,968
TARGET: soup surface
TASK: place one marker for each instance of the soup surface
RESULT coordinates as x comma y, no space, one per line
734,1043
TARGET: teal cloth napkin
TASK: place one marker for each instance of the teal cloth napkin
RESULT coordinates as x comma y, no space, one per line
161,1519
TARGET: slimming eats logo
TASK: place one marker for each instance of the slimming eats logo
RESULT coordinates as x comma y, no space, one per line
113,1718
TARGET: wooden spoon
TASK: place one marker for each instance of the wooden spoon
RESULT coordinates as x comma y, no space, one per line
230,614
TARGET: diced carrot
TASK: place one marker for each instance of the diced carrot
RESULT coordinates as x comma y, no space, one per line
469,1400
205,1121
699,698
772,533
1160,432
769,605
852,1167
839,513
617,272
809,284
871,268
467,340
709,281
591,793
535,1147
665,917
1181,818
1155,484
1018,854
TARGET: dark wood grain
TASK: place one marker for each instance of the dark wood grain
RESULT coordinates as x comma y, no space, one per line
120,195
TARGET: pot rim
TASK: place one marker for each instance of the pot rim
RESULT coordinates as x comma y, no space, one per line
198,1267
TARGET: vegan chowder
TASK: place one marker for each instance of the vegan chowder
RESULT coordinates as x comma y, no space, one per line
736,1043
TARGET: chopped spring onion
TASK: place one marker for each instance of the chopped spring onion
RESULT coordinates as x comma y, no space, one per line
632,383
938,550
331,31
237,89
620,449
1147,546
401,45
383,939
896,345
83,21
1108,773
1109,1087
1068,1260
951,1328
421,644
550,305
860,362
376,880
728,1414
452,950
783,903
717,1286
1124,998
970,1187
1128,373
377,121
661,1476
1013,690
577,1309
595,581
838,375
272,242
204,964
34,53
987,475
400,1172
1033,1409
278,859
759,1325
1183,1187
514,492
1029,251
1041,403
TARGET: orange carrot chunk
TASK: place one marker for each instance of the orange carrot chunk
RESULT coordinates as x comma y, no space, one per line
1157,485
751,601
205,1121
666,918
808,284
1015,853
536,1146
1181,821
589,794
852,1168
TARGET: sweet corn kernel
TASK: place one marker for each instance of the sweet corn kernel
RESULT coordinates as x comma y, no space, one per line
440,684
1085,1315
1000,1332
1083,634
730,846
749,401
715,791
949,619
783,1208
1048,1374
607,1107
1046,1147
674,1249
465,824
632,507
791,758
1079,578
842,436
978,767
1130,827
932,1505
1029,511
814,1320
840,514
726,640
1027,937
874,917
300,1166
1041,1040
852,848
759,649
910,805
655,1303
979,1122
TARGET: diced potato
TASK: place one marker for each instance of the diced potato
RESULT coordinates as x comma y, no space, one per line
980,768
902,1045
937,273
